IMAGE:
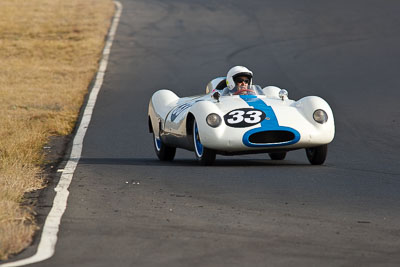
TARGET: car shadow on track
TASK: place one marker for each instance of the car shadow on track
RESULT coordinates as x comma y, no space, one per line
191,162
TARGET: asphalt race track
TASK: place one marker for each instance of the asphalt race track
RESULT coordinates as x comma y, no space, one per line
126,208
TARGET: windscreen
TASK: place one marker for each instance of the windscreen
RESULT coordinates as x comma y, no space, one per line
250,90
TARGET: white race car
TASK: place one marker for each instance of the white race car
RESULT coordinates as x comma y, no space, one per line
263,120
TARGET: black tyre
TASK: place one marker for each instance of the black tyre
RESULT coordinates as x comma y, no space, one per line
204,155
317,155
277,155
164,152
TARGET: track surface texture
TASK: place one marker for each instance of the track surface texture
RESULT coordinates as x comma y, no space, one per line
126,208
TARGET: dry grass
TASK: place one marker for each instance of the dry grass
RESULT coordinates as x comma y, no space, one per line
49,52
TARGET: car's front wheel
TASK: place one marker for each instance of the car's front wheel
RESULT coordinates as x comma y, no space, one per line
164,152
204,155
317,155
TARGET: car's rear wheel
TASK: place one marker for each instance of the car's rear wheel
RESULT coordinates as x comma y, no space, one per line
317,155
277,155
164,152
204,155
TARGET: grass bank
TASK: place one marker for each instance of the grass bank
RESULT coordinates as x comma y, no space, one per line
49,52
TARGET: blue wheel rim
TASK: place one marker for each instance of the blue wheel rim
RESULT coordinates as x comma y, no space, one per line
157,143
197,143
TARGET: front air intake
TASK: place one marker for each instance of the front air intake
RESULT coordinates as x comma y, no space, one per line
271,137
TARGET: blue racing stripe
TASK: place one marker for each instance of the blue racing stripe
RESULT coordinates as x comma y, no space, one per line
255,102
270,123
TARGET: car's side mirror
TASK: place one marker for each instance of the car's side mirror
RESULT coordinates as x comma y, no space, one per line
216,96
283,94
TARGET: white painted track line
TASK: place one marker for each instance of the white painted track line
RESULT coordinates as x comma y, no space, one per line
48,239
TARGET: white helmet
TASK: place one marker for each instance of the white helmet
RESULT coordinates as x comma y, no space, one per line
236,72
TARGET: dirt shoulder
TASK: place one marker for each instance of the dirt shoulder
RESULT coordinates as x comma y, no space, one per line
49,53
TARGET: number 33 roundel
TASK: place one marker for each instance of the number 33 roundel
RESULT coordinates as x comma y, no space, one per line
244,117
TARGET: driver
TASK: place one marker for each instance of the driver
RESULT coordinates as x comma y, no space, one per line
239,81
